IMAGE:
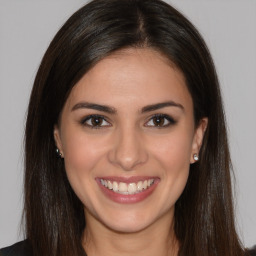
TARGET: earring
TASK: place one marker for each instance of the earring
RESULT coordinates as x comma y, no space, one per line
59,154
196,157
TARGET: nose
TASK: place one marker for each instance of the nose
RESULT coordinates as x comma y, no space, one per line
128,150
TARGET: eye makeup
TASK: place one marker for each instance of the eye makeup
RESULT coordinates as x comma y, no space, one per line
160,121
96,121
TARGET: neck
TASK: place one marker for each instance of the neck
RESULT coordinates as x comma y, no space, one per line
157,239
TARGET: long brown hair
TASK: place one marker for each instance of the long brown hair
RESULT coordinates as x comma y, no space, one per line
204,218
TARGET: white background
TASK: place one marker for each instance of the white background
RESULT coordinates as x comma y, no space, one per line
229,28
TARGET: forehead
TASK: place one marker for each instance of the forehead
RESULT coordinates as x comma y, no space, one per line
129,75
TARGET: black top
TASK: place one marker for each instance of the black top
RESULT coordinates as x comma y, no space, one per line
253,251
19,249
23,249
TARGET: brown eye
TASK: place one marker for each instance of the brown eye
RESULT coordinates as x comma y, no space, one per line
95,121
160,120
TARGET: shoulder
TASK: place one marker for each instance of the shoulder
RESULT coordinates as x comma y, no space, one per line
252,251
19,249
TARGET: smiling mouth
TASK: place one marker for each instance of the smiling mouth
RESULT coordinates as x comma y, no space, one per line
127,188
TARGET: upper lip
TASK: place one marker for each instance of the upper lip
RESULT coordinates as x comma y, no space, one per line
132,179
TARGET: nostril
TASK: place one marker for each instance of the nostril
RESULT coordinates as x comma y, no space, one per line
127,157
128,149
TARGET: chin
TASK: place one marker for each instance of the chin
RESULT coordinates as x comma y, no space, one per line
128,222
134,227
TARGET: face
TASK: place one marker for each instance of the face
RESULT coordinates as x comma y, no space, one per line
127,135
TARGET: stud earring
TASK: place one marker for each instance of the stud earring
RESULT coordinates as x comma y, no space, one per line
196,157
59,154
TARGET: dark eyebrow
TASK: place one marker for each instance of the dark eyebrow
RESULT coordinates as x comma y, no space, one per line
111,110
161,105
89,105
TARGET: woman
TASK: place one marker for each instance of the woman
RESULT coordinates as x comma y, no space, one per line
128,98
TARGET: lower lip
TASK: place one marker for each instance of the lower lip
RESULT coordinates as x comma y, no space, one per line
128,199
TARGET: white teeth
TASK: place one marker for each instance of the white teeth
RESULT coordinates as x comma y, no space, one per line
110,186
125,188
115,186
145,184
132,188
122,187
139,186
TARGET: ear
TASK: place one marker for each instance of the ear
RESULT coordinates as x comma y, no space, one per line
57,139
198,138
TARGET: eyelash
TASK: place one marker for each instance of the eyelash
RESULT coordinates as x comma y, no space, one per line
166,118
169,119
90,117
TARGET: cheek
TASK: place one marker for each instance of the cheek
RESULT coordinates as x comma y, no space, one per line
174,151
172,155
77,156
81,152
82,155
